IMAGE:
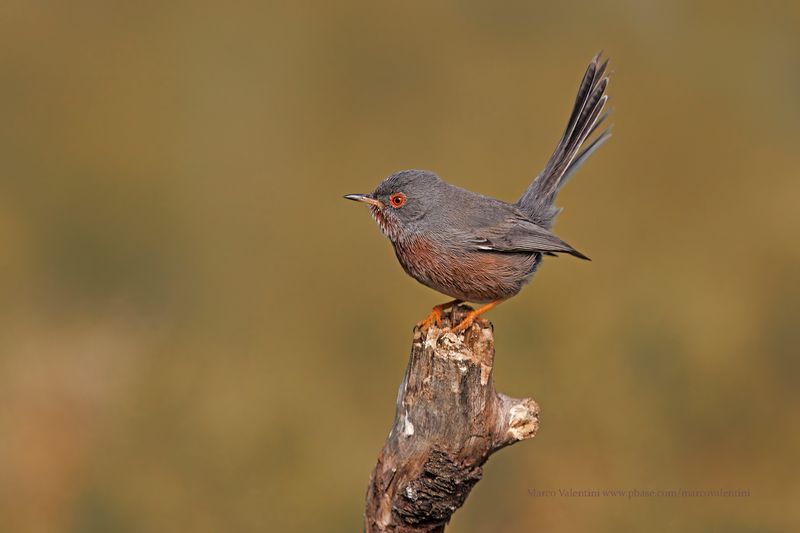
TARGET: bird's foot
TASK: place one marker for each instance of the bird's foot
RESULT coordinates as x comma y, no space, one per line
435,316
472,315
466,322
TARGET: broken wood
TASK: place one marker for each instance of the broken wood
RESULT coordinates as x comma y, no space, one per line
448,421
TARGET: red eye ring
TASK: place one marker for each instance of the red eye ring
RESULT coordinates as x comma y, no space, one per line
397,200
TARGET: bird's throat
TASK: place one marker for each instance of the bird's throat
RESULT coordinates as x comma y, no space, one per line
388,227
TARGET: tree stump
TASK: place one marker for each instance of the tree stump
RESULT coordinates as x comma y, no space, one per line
448,421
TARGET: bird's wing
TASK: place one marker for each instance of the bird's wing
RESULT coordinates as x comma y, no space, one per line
516,235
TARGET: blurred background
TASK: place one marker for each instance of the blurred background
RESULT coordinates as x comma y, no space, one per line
198,334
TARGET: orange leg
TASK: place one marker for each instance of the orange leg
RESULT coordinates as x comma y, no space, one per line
472,315
435,316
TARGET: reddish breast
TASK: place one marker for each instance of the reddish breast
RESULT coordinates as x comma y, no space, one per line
474,276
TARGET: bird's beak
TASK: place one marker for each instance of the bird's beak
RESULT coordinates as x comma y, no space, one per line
366,198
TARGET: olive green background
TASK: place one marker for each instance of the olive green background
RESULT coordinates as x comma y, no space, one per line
198,334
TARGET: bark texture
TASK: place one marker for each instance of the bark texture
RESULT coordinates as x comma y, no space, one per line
448,421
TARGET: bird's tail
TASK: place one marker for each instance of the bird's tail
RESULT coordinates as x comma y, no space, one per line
587,115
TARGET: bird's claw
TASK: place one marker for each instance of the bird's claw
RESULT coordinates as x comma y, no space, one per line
435,317
464,324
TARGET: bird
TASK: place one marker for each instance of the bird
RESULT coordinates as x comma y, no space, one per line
475,248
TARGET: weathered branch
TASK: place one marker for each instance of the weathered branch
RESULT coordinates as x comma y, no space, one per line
449,420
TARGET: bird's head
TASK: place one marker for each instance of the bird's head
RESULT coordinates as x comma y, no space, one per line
401,201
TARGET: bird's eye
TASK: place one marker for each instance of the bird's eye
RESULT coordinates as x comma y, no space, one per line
397,199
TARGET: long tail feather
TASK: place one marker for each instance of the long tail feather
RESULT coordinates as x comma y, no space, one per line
587,114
